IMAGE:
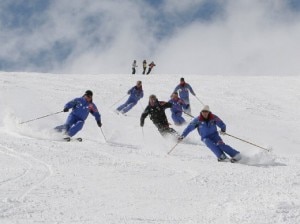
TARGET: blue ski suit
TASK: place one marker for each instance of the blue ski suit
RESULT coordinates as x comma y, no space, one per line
177,107
136,93
183,90
207,129
80,111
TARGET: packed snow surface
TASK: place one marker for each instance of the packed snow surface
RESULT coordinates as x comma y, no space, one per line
122,172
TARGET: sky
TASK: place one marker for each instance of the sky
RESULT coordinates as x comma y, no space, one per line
248,37
122,173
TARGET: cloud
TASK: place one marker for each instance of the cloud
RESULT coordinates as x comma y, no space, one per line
249,37
192,36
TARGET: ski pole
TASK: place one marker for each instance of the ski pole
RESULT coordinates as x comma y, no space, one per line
118,101
143,132
173,147
246,141
188,114
40,117
103,134
199,100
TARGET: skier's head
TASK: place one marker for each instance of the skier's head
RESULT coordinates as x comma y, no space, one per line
205,111
152,99
88,95
174,95
182,82
139,83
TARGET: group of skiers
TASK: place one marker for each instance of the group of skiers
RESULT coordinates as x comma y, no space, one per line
206,123
151,65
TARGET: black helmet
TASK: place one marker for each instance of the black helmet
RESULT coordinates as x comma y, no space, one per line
88,93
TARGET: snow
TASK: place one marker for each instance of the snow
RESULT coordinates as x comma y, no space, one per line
131,178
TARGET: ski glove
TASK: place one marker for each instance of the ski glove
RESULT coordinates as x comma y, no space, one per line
99,124
142,123
66,110
223,132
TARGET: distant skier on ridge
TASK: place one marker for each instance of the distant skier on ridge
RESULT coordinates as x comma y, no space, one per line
144,66
134,65
151,65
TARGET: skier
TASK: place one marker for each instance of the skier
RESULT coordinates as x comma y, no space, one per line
134,65
136,93
207,124
144,66
81,107
151,65
176,109
183,88
156,111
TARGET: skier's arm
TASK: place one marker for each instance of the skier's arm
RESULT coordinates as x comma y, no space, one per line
191,89
94,111
176,89
72,103
165,104
194,123
184,105
220,123
173,109
143,116
130,91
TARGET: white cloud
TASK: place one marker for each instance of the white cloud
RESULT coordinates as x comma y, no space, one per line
250,39
246,37
179,6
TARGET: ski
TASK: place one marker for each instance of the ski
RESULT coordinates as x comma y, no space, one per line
120,113
68,139
232,160
227,160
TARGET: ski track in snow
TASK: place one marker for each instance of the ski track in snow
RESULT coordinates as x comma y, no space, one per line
15,190
130,178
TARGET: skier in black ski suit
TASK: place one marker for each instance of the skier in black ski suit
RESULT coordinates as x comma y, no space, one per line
156,111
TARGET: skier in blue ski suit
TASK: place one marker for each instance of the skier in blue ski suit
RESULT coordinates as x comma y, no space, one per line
136,93
183,88
177,108
206,125
81,107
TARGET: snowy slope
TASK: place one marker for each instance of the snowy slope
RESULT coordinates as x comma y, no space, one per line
131,179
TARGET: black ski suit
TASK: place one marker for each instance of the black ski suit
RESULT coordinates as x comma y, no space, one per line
158,116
